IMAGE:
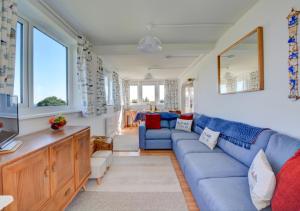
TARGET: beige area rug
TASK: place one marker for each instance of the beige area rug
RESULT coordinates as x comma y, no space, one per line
134,184
127,142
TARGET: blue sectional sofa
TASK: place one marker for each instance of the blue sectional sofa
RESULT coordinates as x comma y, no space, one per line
218,178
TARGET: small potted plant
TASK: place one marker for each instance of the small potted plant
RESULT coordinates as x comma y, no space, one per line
57,122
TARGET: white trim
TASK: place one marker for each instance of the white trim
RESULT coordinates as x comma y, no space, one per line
28,109
59,18
46,114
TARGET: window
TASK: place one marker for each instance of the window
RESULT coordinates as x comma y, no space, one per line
189,99
133,94
50,61
161,93
18,83
148,93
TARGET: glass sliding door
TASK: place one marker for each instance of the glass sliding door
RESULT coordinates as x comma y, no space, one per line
189,99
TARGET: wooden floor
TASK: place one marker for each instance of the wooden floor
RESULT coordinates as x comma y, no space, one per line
190,201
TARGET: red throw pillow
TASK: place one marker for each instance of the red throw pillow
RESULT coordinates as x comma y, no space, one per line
152,121
287,191
186,116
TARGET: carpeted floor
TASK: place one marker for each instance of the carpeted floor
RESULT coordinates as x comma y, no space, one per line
126,142
134,183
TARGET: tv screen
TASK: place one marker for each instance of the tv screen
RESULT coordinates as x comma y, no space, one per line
9,120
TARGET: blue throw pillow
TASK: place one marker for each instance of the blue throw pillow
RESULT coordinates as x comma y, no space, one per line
173,123
164,124
168,116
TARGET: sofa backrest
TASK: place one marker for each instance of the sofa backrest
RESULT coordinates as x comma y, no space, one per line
246,156
280,148
195,127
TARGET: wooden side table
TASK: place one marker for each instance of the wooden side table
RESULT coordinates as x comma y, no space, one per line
102,143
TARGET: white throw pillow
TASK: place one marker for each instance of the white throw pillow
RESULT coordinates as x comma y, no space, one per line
262,181
209,138
185,125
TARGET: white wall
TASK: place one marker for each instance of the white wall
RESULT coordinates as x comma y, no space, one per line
97,124
269,108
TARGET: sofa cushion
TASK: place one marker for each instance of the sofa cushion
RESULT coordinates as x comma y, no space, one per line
197,129
193,146
152,121
178,134
225,194
172,123
163,133
159,144
164,124
280,149
212,165
184,147
246,156
185,125
286,196
188,116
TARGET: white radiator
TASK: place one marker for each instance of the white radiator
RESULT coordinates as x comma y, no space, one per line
112,124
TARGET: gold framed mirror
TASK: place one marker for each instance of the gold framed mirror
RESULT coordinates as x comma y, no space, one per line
241,66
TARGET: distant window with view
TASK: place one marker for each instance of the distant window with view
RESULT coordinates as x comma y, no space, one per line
49,71
133,89
148,93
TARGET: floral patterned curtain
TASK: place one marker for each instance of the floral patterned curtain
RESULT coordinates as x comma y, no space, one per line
100,90
90,79
116,91
126,93
171,94
84,73
8,22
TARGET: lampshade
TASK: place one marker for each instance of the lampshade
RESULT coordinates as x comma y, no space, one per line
148,76
150,44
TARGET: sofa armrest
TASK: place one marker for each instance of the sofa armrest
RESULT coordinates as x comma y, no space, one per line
142,135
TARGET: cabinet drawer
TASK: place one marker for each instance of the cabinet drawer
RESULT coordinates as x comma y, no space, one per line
61,197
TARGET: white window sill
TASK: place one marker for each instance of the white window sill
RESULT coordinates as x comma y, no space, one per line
46,114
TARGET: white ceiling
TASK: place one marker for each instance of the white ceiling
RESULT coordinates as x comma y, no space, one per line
116,26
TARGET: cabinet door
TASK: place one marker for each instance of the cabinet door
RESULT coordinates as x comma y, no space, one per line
28,181
82,158
62,164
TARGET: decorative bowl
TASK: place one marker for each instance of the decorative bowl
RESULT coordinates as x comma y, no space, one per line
57,122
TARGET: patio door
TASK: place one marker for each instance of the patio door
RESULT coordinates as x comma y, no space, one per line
189,98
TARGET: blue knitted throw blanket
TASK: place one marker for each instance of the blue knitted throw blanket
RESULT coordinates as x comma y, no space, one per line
203,121
163,115
240,134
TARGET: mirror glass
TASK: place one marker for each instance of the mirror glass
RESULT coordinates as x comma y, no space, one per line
241,65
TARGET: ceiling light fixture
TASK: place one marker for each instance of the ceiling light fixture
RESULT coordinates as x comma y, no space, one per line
150,43
148,76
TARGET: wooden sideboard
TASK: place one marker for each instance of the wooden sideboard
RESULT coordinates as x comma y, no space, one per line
48,170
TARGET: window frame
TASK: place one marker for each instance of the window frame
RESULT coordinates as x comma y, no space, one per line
24,65
28,109
140,85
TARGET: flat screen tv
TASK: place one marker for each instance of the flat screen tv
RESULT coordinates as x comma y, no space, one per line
9,119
